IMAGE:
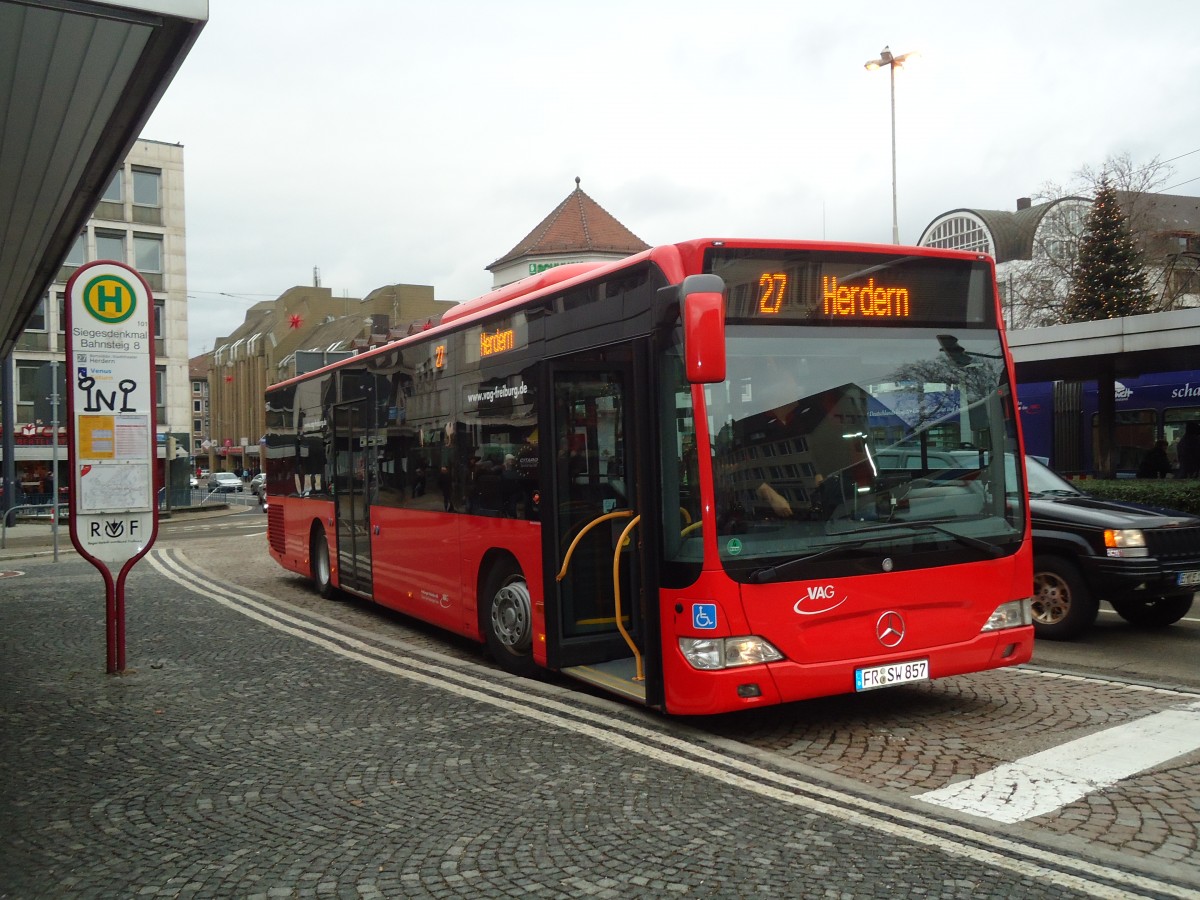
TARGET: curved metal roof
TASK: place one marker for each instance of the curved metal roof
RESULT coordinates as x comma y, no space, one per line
1012,232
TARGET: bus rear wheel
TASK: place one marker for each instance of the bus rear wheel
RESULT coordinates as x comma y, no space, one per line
506,617
1158,612
318,556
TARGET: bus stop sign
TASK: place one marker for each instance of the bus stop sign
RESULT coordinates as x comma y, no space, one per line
111,407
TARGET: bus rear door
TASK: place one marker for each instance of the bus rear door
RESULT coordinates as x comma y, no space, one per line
353,476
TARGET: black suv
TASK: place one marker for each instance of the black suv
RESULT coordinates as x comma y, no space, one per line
1144,561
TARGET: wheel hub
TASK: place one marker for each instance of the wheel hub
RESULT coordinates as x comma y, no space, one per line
1051,600
511,616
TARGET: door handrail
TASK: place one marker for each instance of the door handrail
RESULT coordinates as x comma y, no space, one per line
615,514
637,656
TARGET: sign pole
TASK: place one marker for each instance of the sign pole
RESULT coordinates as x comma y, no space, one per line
111,408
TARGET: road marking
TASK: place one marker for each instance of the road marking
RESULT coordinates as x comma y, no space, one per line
1046,781
1090,877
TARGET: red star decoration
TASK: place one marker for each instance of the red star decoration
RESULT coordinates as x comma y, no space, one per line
295,321
228,379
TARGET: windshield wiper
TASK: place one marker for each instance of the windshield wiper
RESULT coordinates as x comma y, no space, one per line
986,546
770,573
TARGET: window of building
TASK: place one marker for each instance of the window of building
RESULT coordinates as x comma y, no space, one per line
61,297
37,319
27,390
112,193
197,426
160,318
196,406
160,391
148,252
146,184
77,255
960,233
110,245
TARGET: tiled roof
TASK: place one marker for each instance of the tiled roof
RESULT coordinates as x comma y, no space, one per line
579,224
198,367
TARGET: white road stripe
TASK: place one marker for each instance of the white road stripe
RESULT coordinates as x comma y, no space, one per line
1046,781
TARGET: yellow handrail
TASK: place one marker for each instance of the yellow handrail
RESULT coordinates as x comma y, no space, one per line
637,657
616,514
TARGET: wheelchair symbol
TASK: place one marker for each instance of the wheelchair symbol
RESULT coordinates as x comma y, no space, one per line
704,615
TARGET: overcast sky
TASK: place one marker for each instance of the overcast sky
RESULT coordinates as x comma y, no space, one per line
417,142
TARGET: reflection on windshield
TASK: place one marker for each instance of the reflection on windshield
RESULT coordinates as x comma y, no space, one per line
817,438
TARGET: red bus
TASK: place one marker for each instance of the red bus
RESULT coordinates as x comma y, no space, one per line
711,476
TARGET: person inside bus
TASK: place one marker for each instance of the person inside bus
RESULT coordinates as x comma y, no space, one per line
1156,463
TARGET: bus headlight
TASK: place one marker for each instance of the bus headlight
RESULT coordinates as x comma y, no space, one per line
1013,614
727,653
1125,542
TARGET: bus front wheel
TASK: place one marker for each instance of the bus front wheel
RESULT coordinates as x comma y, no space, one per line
506,617
318,555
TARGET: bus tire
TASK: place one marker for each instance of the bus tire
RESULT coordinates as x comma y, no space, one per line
506,619
318,562
1063,607
1153,612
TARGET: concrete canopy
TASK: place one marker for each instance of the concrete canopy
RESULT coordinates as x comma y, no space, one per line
78,81
1086,351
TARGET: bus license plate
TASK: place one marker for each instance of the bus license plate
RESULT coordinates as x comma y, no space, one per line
895,673
1189,579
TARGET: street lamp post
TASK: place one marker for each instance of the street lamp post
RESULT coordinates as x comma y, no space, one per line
886,58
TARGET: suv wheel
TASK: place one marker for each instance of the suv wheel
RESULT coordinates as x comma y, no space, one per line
1156,612
1063,607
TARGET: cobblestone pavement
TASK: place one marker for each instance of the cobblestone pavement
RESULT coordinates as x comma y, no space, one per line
297,748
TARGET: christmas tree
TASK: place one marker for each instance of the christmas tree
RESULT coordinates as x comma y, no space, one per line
1109,279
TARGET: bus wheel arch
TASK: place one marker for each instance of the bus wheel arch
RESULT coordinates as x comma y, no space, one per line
506,614
1063,606
319,565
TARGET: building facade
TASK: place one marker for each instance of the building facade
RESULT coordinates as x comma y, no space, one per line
138,221
577,230
1036,245
304,328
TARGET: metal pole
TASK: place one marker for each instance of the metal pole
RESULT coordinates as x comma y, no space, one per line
54,454
895,217
9,420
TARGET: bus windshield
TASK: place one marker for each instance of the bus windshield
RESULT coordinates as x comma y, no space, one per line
857,447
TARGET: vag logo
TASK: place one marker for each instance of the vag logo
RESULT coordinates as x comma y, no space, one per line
819,598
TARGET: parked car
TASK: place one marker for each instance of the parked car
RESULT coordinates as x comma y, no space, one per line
1144,561
194,481
224,483
256,483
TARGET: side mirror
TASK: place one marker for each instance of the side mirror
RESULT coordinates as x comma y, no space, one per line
704,328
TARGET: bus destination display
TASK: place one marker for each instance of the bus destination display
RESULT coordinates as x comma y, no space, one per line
844,289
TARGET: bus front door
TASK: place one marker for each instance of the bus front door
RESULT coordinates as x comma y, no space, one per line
353,476
595,623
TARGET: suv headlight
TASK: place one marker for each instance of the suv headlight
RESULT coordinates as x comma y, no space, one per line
726,653
1013,614
1125,542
